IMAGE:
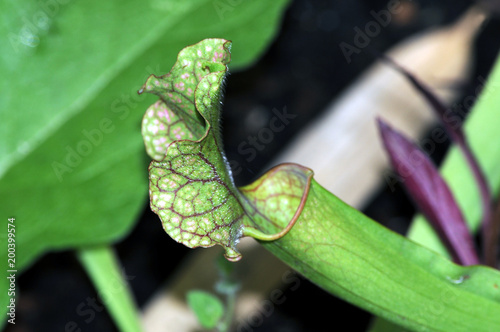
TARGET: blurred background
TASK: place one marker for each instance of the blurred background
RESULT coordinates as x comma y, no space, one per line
303,70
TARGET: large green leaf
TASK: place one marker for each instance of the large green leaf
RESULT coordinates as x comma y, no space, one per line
71,158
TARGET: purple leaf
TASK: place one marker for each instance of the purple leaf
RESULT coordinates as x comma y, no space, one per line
457,135
430,193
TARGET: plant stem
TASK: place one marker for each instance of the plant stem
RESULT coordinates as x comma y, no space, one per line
225,324
229,288
102,266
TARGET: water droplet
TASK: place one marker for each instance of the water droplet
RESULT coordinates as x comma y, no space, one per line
456,281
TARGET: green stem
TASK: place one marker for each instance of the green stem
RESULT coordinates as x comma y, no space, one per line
225,324
229,288
103,268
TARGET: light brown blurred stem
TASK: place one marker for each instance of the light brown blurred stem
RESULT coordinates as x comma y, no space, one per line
343,149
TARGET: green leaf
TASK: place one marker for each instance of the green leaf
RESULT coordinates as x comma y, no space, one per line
102,266
72,168
190,186
71,158
207,307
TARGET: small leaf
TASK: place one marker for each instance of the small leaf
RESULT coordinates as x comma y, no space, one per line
207,307
431,194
